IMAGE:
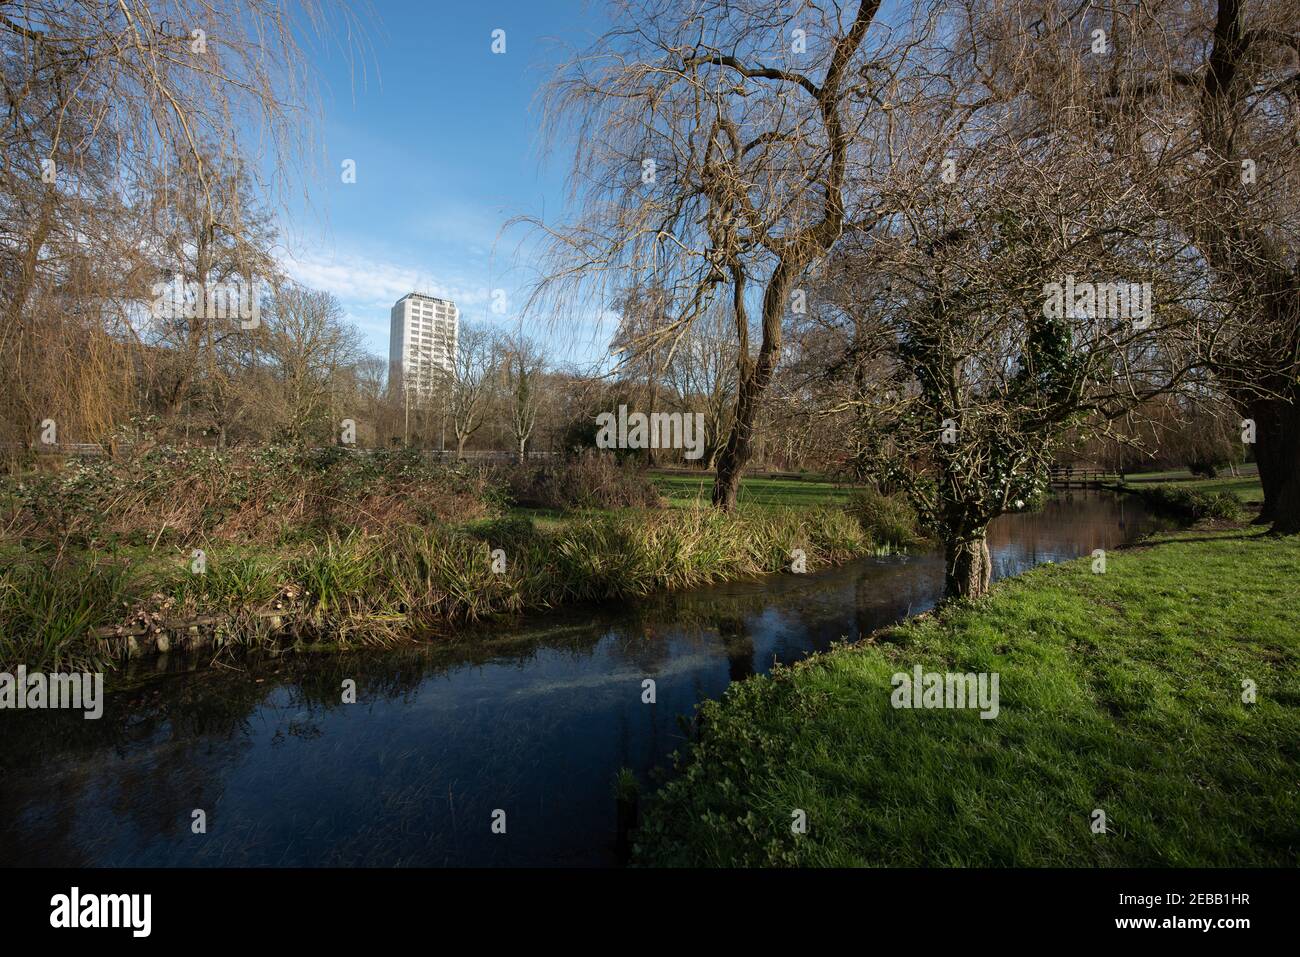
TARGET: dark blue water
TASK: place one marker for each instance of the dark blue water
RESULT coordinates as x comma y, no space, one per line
532,719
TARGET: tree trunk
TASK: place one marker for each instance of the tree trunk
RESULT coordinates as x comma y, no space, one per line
967,566
460,447
1235,255
1284,464
648,405
752,379
736,453
1268,443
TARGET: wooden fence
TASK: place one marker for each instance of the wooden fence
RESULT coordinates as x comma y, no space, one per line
1075,477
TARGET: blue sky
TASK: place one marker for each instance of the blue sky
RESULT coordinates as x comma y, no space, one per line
445,137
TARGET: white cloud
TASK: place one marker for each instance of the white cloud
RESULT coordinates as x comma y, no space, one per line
367,287
359,281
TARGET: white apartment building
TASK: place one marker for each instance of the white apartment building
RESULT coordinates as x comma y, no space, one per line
422,340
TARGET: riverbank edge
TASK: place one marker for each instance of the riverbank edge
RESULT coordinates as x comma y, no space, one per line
1186,505
700,814
420,583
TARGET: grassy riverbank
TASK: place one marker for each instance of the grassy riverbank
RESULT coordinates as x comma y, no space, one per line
351,551
1119,691
1245,487
1193,499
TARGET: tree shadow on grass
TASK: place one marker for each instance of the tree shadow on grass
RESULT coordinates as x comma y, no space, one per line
1227,535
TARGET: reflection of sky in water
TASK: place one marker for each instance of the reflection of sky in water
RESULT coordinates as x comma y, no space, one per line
533,718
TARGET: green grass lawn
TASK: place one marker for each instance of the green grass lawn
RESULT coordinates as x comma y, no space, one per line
1119,691
686,489
1245,487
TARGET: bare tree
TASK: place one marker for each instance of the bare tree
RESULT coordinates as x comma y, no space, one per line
208,230
1024,282
473,371
714,143
1203,95
109,108
1222,80
702,373
310,346
522,369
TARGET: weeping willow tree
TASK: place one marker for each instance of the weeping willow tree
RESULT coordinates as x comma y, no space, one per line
107,106
1198,100
713,148
1218,82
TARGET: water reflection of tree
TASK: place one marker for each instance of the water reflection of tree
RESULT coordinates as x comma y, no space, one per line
738,644
79,789
1073,523
75,788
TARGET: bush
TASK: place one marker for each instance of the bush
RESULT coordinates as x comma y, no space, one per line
412,580
183,495
1223,505
589,479
889,519
1192,505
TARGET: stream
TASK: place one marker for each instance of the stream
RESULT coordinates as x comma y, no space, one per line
533,718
